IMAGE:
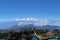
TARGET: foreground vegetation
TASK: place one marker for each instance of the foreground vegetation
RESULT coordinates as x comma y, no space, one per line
30,35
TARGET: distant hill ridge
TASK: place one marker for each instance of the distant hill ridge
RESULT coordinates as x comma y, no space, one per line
22,24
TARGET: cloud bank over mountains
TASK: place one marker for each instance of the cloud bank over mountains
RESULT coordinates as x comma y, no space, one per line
24,19
27,21
37,22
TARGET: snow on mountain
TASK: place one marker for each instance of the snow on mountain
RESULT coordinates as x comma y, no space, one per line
24,19
38,22
28,21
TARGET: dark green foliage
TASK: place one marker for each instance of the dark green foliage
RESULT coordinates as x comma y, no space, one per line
25,35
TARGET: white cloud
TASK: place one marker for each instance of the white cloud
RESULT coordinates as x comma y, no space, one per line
28,19
42,22
21,23
38,22
17,19
57,23
34,19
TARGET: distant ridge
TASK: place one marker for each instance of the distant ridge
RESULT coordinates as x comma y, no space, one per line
26,23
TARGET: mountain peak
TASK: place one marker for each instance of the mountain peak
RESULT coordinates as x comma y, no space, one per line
27,21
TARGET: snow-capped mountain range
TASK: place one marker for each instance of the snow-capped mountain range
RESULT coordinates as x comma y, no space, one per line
30,22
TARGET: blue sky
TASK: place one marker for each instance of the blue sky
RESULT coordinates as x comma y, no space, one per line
41,9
